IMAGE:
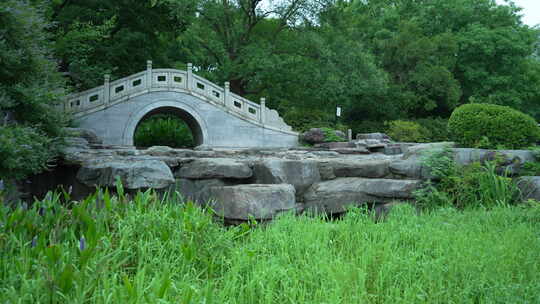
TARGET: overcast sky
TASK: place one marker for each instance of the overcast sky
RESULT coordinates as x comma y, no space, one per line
530,12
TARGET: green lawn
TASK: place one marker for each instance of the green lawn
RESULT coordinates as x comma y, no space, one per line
145,250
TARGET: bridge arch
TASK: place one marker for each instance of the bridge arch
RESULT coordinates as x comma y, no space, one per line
184,111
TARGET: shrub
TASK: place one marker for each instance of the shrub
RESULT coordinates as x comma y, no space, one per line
468,186
437,128
492,126
23,151
164,130
331,136
30,86
367,126
407,131
302,120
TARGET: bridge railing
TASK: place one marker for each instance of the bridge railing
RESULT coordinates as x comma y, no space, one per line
170,79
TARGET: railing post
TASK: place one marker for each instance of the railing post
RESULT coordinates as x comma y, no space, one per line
149,76
189,82
227,93
107,89
263,110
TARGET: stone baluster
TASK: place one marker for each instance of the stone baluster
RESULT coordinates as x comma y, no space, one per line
189,81
262,110
227,94
107,89
149,76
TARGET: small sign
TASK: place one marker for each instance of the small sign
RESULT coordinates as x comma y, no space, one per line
338,111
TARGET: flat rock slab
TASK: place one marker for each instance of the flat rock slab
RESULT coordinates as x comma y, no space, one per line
256,201
335,195
143,174
368,168
207,168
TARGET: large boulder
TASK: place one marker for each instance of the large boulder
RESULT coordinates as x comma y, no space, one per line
336,145
197,190
334,196
299,173
89,135
466,156
256,201
208,168
378,136
410,169
530,187
141,174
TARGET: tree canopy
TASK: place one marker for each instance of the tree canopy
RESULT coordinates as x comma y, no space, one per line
380,60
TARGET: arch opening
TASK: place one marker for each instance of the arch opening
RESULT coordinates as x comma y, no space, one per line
170,126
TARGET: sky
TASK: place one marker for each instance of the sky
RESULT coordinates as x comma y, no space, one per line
530,12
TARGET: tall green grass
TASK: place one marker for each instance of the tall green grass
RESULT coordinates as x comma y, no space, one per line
147,249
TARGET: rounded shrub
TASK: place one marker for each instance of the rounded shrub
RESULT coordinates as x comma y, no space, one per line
492,126
407,131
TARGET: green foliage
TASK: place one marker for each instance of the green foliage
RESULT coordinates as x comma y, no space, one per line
302,120
163,130
97,37
368,126
436,129
331,136
469,186
407,131
532,168
492,126
109,249
24,151
30,87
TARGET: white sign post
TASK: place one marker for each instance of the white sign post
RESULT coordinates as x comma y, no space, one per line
338,111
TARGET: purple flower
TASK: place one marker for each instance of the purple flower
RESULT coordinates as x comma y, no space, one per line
41,211
82,243
34,242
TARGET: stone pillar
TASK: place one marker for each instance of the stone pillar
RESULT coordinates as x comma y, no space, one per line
263,110
189,81
227,93
107,89
149,76
349,134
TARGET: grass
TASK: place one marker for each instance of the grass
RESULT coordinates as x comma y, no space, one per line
147,249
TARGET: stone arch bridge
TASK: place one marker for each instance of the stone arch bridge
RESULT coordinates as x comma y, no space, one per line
216,116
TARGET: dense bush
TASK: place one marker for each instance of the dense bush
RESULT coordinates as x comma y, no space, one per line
492,126
331,135
30,86
163,130
436,129
407,131
24,151
302,120
367,126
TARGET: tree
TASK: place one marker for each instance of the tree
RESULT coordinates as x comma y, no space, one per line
440,54
279,51
30,88
97,37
